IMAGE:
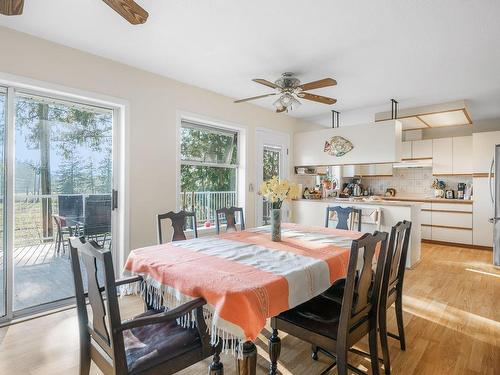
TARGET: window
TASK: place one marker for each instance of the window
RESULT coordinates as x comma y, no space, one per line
209,169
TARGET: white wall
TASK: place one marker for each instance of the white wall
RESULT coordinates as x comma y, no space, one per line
154,104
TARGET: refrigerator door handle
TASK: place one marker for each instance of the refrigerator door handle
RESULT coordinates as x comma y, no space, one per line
490,180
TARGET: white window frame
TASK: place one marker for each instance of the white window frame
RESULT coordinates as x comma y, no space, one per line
208,122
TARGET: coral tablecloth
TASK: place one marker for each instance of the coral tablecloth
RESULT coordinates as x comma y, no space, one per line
244,276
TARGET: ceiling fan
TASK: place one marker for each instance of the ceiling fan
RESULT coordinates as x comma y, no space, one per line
128,9
289,88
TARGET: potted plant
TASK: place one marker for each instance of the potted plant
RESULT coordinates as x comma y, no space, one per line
276,192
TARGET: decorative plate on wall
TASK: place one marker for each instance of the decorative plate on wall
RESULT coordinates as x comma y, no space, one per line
338,146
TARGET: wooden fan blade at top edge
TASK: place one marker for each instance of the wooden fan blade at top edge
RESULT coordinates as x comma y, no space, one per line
266,83
325,82
11,7
253,98
317,98
129,10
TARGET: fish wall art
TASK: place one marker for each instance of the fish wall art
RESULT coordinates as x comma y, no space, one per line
338,146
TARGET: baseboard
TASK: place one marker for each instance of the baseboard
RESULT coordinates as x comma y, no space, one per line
477,247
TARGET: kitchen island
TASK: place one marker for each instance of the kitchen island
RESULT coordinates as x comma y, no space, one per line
376,215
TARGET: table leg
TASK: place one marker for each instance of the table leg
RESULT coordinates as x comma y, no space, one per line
274,352
248,364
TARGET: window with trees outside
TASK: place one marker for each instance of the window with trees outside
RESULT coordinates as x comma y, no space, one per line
209,170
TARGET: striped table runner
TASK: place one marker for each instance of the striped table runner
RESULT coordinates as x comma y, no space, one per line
244,276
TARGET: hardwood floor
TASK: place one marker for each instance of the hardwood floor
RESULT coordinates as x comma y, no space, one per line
452,320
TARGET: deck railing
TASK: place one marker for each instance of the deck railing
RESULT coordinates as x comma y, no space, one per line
33,217
205,203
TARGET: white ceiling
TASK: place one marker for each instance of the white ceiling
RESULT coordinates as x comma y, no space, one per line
419,52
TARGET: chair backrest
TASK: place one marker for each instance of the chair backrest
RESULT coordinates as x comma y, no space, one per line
178,220
60,222
70,206
102,297
97,214
230,215
363,284
396,257
343,216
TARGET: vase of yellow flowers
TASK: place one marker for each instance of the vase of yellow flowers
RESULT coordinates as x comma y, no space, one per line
276,192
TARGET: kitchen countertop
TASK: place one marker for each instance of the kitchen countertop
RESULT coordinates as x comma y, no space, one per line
381,202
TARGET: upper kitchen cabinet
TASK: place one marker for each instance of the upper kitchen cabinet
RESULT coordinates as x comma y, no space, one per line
384,169
422,149
483,145
371,143
442,156
462,150
414,150
452,156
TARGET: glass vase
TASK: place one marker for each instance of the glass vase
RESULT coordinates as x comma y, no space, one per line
276,224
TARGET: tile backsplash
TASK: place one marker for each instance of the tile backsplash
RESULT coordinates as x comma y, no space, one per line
412,181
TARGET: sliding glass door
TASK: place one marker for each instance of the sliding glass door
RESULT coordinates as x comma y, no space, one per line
59,184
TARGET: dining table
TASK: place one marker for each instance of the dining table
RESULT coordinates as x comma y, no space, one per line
245,278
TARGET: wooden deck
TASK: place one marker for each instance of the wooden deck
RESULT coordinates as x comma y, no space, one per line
37,254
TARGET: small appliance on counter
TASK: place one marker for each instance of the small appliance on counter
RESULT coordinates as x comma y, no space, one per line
450,194
390,192
461,190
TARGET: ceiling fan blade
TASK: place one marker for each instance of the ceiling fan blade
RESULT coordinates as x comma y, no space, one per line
317,98
11,7
279,110
129,10
266,83
326,82
253,98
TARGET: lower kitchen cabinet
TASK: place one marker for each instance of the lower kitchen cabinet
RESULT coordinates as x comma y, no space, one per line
452,235
426,232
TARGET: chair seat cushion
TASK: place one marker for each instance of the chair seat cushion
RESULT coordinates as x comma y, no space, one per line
149,346
319,315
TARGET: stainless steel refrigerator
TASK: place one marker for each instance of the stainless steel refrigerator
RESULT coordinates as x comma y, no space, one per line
495,199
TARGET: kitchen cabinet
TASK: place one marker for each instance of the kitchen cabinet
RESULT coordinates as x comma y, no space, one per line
406,150
483,146
482,211
452,156
442,156
452,235
384,169
422,149
462,150
371,143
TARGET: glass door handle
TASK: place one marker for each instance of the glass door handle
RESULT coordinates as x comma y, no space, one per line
493,220
114,199
490,180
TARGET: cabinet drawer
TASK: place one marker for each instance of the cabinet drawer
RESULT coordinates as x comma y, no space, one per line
462,236
426,217
426,232
452,219
426,206
452,206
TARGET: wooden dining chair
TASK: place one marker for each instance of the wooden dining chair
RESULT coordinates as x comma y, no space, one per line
178,220
62,229
334,328
230,215
392,287
149,344
344,216
391,290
